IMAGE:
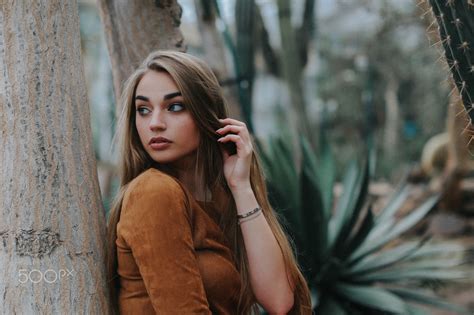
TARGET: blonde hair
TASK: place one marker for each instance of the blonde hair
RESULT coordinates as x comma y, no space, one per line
202,95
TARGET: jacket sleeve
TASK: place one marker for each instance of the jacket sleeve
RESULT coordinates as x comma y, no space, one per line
156,226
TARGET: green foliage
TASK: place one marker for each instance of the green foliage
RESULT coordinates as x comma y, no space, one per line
343,253
245,14
351,81
244,46
251,35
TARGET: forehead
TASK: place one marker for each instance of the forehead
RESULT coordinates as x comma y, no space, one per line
156,84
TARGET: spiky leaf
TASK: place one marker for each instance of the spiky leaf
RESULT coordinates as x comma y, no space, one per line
372,297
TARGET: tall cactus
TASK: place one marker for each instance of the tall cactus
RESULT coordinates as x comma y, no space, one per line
292,67
245,45
456,28
242,53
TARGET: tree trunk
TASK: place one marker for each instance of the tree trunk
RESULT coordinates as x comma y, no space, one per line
52,222
133,29
392,119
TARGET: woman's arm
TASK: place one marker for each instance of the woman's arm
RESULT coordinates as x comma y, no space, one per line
267,271
156,226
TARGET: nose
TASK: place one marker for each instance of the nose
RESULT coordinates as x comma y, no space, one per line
157,121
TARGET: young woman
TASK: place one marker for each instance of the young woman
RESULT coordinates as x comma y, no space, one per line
191,230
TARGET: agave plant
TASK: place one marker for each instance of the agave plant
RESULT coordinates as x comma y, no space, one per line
343,249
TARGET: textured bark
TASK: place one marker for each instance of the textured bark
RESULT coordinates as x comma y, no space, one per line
133,29
52,224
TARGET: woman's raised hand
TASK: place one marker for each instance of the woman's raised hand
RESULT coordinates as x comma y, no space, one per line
237,166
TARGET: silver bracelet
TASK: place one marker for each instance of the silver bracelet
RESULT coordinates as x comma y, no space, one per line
242,216
249,219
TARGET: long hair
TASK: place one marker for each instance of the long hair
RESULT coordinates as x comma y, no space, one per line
203,98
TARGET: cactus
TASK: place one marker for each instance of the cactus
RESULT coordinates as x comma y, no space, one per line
292,67
306,30
456,27
270,56
245,46
243,79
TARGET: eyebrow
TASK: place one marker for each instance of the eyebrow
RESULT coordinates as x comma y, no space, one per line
166,97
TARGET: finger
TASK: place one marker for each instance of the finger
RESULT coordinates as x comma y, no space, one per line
241,145
231,128
230,137
232,121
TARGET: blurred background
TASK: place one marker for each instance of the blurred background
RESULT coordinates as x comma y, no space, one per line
362,71
368,65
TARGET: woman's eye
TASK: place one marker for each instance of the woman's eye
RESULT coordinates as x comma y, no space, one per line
142,110
180,107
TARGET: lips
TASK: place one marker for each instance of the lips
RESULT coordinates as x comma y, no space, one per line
159,140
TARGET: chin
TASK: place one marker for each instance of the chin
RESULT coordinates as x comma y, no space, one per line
181,157
162,157
163,160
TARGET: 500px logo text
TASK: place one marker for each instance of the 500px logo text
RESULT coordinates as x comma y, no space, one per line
48,276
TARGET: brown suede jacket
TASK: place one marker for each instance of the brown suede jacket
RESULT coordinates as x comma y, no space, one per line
172,261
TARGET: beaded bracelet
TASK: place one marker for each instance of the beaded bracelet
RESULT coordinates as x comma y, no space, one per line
250,218
242,216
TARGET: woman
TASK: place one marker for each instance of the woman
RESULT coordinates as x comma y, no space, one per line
186,234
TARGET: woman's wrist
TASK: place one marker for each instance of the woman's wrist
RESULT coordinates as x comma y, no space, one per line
241,189
244,198
249,215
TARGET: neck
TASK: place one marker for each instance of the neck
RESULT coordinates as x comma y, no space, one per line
185,173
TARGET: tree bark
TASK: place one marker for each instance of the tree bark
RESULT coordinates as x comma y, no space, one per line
52,224
133,29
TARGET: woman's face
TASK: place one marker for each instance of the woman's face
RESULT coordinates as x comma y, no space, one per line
160,112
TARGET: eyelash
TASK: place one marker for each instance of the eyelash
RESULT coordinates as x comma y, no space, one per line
141,108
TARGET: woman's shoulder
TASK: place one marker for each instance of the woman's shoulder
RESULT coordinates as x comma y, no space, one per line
153,181
152,199
152,177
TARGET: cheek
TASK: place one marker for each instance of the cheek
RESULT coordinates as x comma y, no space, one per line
192,133
140,128
196,137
